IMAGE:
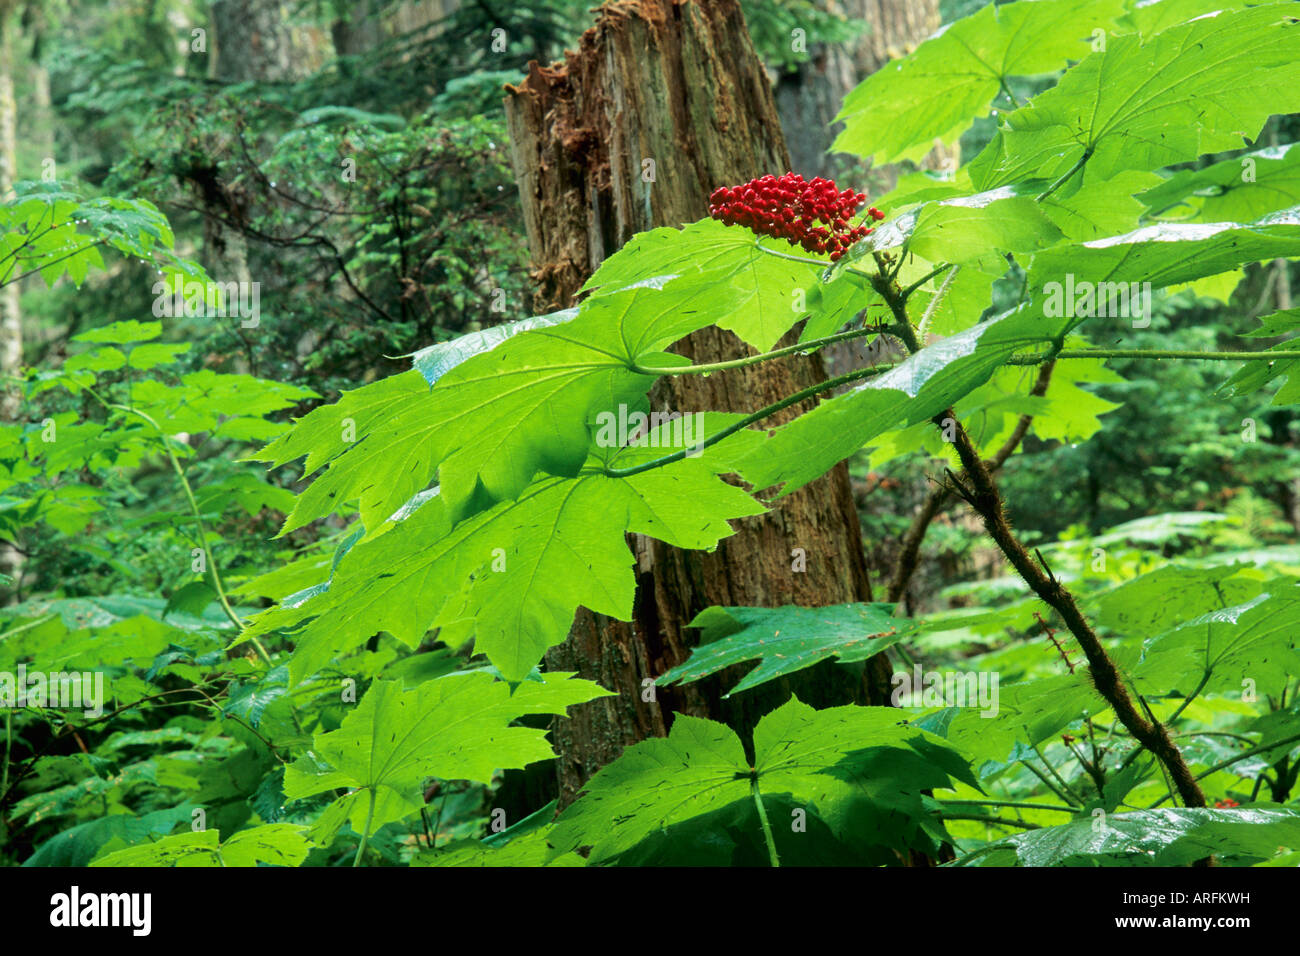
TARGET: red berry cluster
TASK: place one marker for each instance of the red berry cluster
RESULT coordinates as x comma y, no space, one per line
786,207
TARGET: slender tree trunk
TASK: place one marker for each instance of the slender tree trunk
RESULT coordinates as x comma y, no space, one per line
809,97
11,320
671,91
11,326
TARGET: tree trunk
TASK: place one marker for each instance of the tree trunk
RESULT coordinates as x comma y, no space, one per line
809,98
677,83
11,325
11,320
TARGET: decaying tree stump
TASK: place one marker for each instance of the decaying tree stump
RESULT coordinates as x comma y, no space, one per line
664,101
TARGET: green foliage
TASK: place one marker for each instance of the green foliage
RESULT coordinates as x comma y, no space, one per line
455,515
787,639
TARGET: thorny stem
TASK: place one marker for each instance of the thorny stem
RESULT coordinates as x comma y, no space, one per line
984,496
908,558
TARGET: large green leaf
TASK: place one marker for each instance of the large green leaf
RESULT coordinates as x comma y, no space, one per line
755,285
515,573
786,639
1258,640
457,727
701,768
1235,190
902,109
1256,375
921,387
1171,595
273,844
1200,87
494,419
77,845
1167,837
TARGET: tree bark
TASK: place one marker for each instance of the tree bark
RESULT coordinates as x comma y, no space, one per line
11,325
676,83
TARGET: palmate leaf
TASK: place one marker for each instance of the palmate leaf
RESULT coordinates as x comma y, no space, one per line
1030,711
454,728
1174,836
1259,640
939,90
531,849
786,639
1172,595
517,572
77,845
273,844
494,419
437,360
756,292
700,767
1199,87
1235,190
49,229
967,227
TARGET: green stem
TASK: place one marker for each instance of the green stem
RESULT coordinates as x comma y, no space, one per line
706,367
1015,804
198,520
1235,759
1187,700
1002,82
9,742
365,833
907,293
1047,782
748,420
995,821
1078,165
762,819
1148,354
27,627
1055,776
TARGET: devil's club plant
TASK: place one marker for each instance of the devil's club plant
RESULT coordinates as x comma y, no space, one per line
480,507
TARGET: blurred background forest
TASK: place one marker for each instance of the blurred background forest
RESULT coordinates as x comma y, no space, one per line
235,119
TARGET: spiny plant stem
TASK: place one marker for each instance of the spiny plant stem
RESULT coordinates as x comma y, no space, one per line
907,293
983,495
